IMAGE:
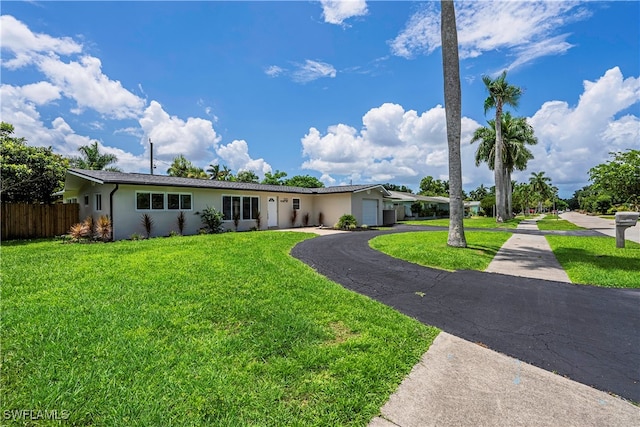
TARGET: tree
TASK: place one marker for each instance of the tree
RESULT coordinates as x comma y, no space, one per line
92,159
516,134
619,178
399,188
479,193
453,112
434,187
276,178
181,167
29,174
500,93
247,176
541,187
305,181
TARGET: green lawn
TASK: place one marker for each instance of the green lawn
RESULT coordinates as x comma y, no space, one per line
473,222
204,330
551,223
597,261
430,248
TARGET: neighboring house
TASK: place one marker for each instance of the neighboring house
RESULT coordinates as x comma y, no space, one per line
125,197
430,206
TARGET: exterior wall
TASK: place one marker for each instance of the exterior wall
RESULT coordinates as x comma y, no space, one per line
285,209
88,194
332,206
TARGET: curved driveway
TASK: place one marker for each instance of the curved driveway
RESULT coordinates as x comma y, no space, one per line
586,333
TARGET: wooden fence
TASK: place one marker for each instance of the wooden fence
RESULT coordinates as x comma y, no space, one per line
27,221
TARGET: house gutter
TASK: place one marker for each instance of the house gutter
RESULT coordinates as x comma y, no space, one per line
111,210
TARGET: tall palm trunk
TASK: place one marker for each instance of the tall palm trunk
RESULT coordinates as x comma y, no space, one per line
508,193
453,109
498,171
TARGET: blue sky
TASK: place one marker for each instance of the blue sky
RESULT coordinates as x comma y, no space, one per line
344,91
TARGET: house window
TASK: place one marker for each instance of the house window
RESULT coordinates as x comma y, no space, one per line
98,201
250,207
86,200
244,207
157,201
143,201
178,201
296,204
72,200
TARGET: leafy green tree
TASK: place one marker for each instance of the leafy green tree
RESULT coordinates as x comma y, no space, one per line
247,176
305,181
541,187
479,193
220,173
91,158
453,113
181,167
275,178
434,187
399,188
619,178
487,204
500,93
516,134
29,174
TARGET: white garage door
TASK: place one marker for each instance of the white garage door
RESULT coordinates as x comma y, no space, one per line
369,212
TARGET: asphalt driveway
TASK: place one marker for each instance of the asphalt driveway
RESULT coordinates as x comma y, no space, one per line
586,333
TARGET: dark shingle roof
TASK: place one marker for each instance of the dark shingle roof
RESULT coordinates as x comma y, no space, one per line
109,177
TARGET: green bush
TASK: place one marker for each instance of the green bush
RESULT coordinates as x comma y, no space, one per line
212,220
346,221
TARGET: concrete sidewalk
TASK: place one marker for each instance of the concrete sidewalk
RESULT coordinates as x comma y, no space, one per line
601,225
460,383
528,255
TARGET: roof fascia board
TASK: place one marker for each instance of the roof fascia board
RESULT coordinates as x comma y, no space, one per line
88,178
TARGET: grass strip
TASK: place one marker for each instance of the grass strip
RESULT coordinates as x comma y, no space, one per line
429,248
552,223
203,330
473,222
597,261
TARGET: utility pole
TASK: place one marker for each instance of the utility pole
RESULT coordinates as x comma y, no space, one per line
151,157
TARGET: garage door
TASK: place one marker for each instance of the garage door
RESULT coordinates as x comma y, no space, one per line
370,212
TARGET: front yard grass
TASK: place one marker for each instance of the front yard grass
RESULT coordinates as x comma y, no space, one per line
472,222
597,261
551,223
204,330
429,248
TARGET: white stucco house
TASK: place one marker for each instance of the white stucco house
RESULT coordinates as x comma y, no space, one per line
125,197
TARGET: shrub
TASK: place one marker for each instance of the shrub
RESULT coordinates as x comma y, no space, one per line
182,220
320,218
103,228
294,216
174,233
135,236
212,220
346,221
305,219
91,226
258,220
236,220
147,223
79,232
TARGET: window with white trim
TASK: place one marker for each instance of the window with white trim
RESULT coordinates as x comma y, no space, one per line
149,201
296,204
181,201
242,207
98,202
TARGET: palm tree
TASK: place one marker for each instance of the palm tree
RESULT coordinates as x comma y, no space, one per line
500,93
92,159
452,101
214,171
516,133
540,184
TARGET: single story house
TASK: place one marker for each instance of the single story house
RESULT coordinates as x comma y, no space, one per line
125,197
430,206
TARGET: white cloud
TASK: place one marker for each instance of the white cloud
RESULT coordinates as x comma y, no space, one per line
172,136
574,139
23,43
236,156
337,11
526,30
392,144
313,70
274,71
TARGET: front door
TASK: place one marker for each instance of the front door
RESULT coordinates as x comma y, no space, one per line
272,211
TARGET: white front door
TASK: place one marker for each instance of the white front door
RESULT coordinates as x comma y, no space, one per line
272,211
369,212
